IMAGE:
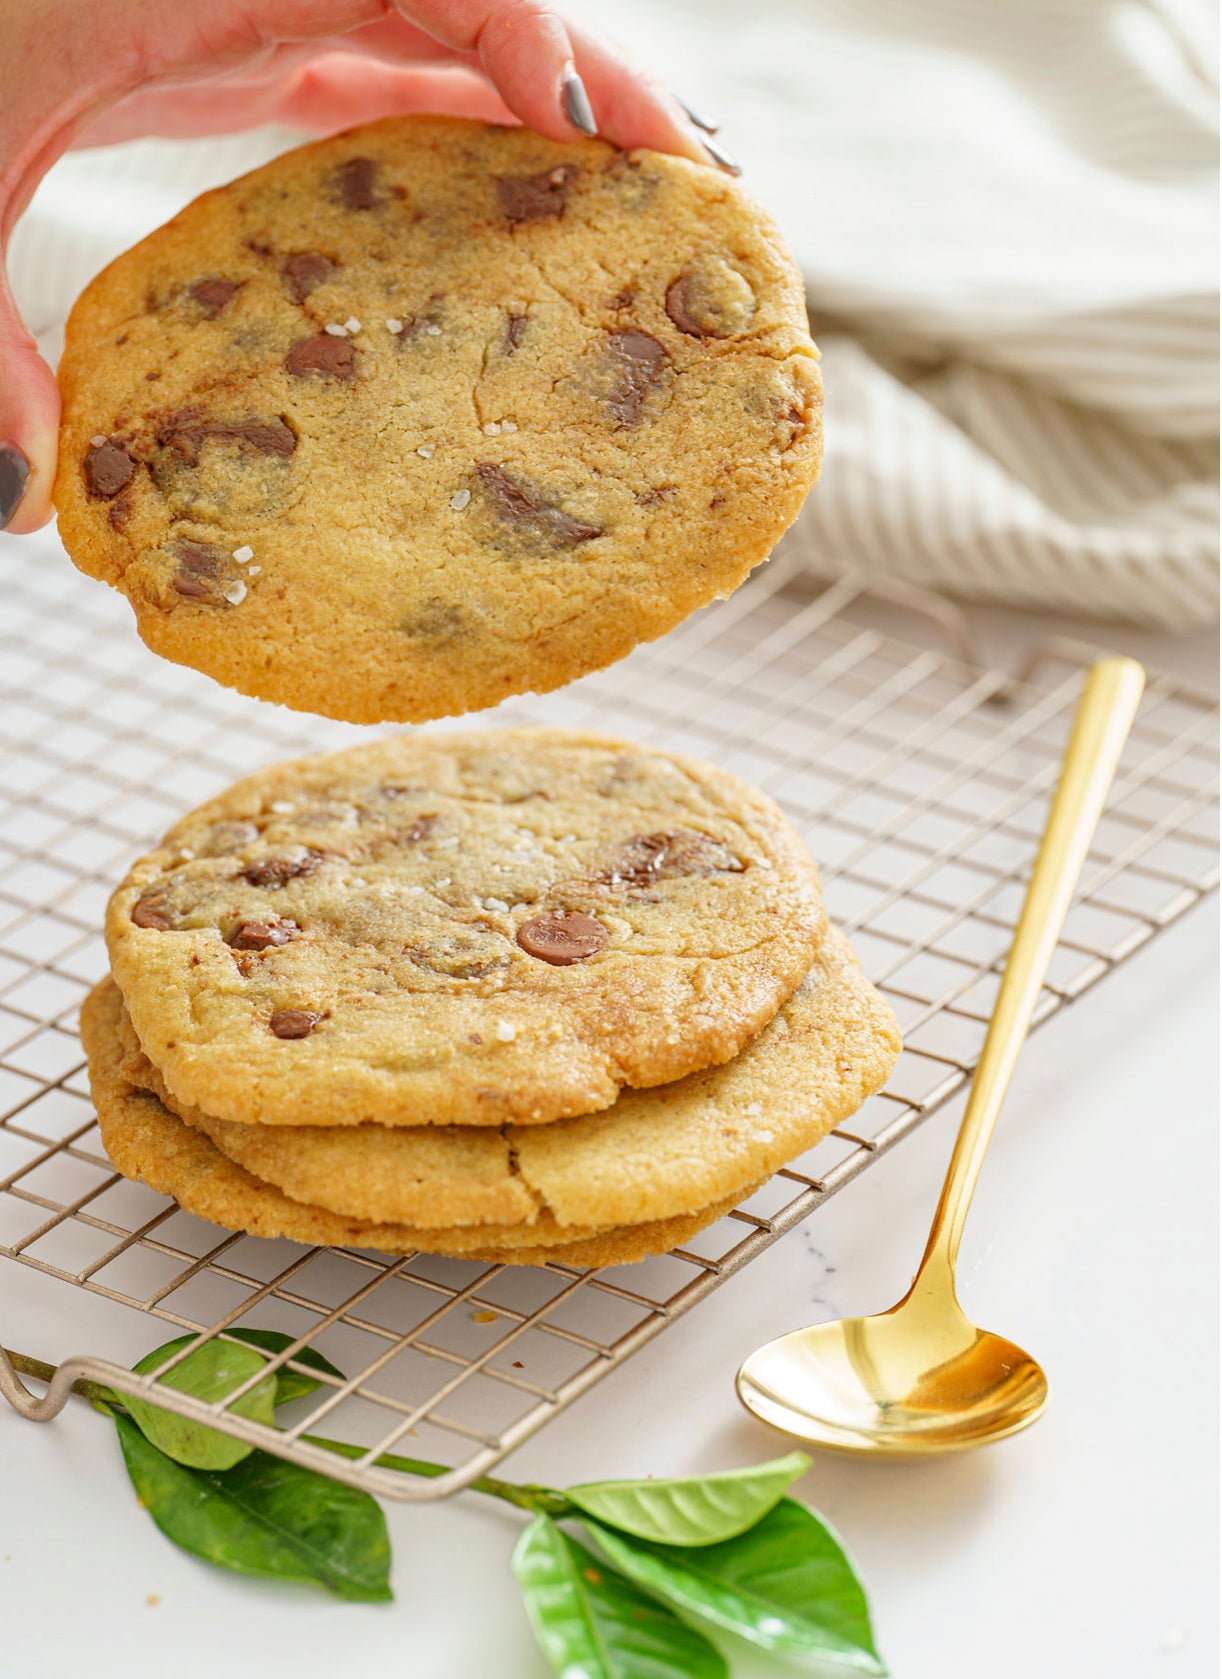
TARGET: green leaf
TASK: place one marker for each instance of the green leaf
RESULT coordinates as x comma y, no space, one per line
592,1624
211,1372
699,1510
786,1584
265,1517
290,1384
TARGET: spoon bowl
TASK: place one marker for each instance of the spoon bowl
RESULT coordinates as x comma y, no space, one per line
886,1385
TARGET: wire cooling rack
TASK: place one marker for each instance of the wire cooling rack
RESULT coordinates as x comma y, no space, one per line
920,781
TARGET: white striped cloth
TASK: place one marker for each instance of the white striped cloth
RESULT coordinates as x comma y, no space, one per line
1005,212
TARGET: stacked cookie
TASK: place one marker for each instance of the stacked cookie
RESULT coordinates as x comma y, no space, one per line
517,995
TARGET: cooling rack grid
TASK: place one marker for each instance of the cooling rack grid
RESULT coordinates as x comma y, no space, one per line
918,777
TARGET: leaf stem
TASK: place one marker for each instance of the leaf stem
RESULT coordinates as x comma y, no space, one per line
532,1498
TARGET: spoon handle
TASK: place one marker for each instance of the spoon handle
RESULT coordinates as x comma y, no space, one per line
1104,715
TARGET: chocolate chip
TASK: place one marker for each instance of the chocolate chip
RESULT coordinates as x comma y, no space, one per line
151,910
532,198
293,1023
213,294
262,935
304,270
273,872
647,858
515,331
119,512
199,566
712,302
108,469
355,181
186,432
522,504
562,939
438,620
635,362
335,358
622,299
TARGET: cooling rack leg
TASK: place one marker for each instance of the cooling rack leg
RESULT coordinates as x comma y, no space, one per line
29,1405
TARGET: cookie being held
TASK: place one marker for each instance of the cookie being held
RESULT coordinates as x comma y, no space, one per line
434,412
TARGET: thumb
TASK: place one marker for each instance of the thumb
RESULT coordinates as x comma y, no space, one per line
29,422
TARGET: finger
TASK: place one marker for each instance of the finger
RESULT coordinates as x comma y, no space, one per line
320,93
630,107
29,423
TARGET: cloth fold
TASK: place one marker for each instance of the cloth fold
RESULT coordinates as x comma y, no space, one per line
1006,218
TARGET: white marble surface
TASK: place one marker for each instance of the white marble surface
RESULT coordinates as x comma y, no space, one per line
1085,1547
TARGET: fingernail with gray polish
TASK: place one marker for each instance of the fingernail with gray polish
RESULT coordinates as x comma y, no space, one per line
698,119
577,106
720,156
14,470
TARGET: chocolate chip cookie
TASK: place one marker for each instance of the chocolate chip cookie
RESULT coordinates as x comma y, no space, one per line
682,1152
461,929
434,412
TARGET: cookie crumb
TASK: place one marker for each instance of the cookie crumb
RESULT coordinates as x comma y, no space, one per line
505,1031
235,593
484,1317
153,1599
244,553
459,500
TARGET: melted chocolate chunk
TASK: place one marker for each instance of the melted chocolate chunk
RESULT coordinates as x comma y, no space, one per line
647,858
622,299
532,198
273,872
119,512
523,505
561,939
716,304
636,361
293,1023
304,270
108,469
199,566
213,294
151,910
356,183
515,331
262,935
334,358
186,433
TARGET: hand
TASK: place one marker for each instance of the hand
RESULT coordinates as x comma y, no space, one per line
76,73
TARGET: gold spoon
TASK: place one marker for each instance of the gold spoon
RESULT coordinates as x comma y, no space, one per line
922,1378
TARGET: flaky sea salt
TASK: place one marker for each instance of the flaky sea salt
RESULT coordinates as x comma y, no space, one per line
352,324
509,425
428,450
492,429
433,331
336,331
255,571
497,904
235,592
754,1108
242,554
459,500
283,806
394,325
505,1032
97,440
